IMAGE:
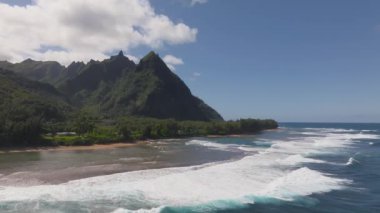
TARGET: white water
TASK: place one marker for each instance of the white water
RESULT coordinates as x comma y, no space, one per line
297,159
210,144
275,172
225,147
351,161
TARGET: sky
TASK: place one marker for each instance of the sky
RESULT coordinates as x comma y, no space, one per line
294,60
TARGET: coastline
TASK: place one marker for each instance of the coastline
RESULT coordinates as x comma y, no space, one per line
70,148
4,150
232,136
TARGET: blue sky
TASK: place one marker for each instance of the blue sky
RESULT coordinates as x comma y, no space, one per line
291,60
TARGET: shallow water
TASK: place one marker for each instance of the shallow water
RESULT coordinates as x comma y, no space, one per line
298,168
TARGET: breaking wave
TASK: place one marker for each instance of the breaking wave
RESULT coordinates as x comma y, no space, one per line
259,177
351,161
210,144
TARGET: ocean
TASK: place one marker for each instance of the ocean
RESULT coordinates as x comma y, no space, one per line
301,167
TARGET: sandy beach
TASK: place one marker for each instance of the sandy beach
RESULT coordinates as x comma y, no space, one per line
70,148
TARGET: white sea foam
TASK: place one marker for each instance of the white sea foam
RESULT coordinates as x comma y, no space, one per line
185,186
131,159
252,175
302,182
336,130
152,210
368,130
262,143
228,147
298,159
258,174
362,136
326,143
352,161
312,133
249,148
210,144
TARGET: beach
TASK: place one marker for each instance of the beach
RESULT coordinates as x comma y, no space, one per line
297,168
70,148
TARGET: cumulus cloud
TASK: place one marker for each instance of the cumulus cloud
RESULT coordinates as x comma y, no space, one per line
84,29
194,2
172,61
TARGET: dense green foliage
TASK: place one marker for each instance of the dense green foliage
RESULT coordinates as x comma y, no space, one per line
20,128
83,123
150,128
131,129
24,106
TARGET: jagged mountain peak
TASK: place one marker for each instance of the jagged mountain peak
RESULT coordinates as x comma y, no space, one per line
90,76
158,92
28,60
153,62
150,56
76,63
119,56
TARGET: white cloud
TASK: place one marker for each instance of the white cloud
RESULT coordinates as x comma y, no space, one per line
195,76
194,2
172,61
84,29
134,58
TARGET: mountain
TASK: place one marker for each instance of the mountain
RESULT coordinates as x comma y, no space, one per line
26,108
43,71
117,87
23,98
90,77
152,90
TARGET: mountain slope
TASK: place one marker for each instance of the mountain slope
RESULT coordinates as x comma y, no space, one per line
92,76
22,97
153,90
43,71
117,87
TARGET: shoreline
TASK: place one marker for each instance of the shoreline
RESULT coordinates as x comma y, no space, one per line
70,148
102,146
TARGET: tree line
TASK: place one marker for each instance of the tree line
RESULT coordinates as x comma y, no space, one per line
132,128
20,126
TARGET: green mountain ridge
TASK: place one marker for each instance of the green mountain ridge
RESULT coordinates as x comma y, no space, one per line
153,90
118,87
90,77
43,71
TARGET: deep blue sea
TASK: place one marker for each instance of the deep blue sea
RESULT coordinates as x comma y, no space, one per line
301,167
